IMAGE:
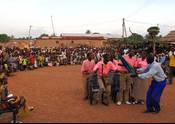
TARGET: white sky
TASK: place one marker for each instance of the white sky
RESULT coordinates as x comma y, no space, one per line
76,16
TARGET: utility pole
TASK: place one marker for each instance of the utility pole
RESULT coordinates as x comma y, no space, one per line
124,32
53,26
30,28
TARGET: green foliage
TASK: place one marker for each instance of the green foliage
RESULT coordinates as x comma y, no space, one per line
44,35
124,41
134,39
113,42
153,31
12,37
96,33
4,38
149,39
152,36
88,32
22,38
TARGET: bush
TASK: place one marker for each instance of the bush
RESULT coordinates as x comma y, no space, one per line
4,38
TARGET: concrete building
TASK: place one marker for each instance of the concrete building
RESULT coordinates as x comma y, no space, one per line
64,40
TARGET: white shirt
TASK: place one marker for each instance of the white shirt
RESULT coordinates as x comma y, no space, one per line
153,70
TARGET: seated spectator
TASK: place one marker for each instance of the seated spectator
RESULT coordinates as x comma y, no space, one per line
10,101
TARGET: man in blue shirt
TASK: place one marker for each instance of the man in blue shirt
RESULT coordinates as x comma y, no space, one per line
158,84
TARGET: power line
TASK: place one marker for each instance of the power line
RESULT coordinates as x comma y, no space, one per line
147,23
94,24
105,22
78,25
146,4
139,22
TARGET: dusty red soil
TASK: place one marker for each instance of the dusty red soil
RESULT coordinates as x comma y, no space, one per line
56,93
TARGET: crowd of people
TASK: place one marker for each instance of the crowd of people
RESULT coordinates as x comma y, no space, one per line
102,61
15,59
131,89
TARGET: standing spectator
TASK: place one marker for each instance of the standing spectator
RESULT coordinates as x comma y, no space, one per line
172,67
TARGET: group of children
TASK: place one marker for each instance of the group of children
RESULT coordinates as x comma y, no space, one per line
128,85
132,89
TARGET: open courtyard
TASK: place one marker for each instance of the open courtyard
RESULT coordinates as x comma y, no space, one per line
57,95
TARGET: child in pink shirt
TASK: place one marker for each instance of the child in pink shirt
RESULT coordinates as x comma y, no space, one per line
103,68
86,70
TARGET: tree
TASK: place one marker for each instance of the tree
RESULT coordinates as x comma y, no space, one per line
12,37
134,39
96,33
28,38
112,42
148,39
153,32
4,38
44,35
88,32
22,38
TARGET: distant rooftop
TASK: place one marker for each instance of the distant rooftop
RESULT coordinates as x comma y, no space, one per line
79,36
169,38
105,36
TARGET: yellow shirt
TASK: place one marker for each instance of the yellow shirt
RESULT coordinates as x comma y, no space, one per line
172,61
2,76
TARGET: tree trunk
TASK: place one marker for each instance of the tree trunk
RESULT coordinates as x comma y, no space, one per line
154,47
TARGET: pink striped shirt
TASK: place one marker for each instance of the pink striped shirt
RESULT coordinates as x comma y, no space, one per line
132,61
87,67
122,68
106,68
142,63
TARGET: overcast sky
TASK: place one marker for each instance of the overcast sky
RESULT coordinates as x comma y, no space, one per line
76,16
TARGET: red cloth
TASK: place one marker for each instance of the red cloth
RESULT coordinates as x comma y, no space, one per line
32,59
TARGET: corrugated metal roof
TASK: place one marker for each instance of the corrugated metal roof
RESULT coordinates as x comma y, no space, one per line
89,35
169,38
79,36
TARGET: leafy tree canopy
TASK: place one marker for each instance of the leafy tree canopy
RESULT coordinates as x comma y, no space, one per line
4,38
134,39
88,32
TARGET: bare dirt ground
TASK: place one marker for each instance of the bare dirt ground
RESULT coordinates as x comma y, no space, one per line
56,93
